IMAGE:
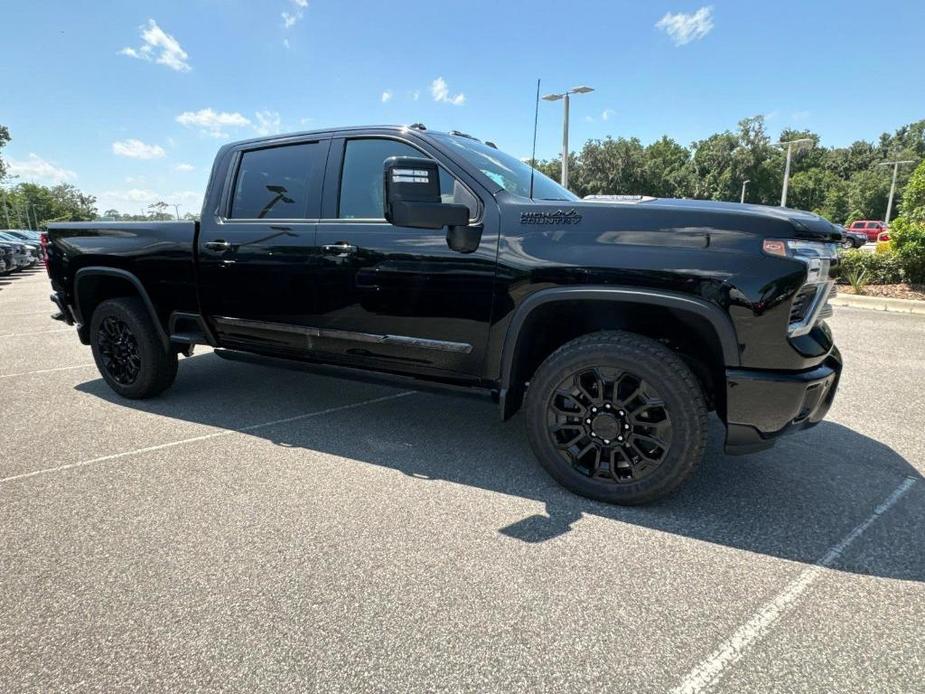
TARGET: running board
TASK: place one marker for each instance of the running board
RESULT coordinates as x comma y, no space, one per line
361,375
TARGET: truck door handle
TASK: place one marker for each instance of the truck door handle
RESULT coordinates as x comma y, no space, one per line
218,245
339,248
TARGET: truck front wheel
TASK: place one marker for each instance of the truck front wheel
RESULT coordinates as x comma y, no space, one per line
617,417
128,351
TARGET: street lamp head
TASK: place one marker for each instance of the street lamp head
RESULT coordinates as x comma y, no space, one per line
553,97
582,89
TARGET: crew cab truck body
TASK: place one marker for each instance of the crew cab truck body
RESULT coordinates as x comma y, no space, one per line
410,254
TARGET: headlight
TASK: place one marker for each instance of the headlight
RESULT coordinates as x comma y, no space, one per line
810,302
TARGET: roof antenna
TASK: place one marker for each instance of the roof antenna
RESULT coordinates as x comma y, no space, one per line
536,117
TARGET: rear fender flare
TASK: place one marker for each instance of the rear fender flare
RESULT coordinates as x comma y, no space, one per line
94,271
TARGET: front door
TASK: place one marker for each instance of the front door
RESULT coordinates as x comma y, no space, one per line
257,257
397,298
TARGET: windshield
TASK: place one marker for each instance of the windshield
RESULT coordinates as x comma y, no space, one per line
508,172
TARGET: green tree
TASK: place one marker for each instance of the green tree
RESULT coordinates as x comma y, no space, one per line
908,231
868,191
4,139
666,170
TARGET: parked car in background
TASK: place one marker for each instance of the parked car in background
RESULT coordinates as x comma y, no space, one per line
17,256
29,249
853,239
5,260
30,237
869,227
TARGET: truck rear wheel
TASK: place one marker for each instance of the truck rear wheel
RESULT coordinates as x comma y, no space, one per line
128,351
616,417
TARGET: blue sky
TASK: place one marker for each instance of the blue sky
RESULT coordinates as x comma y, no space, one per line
130,100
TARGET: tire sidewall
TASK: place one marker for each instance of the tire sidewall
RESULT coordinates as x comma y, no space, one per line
149,348
684,409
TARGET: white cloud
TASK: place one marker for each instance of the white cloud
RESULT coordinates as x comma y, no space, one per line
607,113
386,96
684,28
34,167
286,43
136,149
290,18
211,122
268,123
160,47
184,167
441,92
416,94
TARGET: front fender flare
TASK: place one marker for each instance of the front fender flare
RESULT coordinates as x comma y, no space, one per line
712,313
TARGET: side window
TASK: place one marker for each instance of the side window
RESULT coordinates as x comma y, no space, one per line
274,183
361,189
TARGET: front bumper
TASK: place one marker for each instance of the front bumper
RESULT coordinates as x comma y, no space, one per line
762,405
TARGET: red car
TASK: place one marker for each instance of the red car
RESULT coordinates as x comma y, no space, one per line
869,227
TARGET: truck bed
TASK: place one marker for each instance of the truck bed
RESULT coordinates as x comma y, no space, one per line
160,254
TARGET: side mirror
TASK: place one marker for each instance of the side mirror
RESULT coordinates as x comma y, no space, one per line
412,195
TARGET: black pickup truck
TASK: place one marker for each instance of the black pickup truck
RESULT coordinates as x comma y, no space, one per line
410,254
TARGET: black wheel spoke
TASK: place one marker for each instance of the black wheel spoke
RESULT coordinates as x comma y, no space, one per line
119,350
609,424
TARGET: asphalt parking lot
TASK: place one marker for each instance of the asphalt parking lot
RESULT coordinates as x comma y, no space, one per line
263,529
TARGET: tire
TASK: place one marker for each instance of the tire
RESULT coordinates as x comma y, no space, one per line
128,350
848,242
633,401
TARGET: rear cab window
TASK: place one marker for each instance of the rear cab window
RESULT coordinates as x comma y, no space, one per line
278,182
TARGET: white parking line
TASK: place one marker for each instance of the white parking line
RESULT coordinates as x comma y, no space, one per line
204,437
38,332
710,670
45,371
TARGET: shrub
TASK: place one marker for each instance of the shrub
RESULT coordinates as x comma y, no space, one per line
907,238
857,279
877,268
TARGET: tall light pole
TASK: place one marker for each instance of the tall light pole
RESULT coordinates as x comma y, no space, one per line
565,97
176,208
744,183
790,144
895,165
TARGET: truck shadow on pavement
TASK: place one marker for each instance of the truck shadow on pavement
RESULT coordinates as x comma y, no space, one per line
795,501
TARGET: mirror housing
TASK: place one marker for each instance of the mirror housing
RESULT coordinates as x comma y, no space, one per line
412,195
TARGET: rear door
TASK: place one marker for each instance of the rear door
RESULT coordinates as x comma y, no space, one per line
397,298
257,255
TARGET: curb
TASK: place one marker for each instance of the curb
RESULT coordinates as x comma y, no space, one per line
879,303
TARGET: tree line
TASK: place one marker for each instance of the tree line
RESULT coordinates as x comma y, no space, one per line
839,183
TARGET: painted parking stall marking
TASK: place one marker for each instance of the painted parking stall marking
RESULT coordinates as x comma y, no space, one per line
205,437
710,670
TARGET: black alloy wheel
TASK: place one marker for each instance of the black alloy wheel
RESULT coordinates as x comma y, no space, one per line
129,349
609,424
119,350
616,416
